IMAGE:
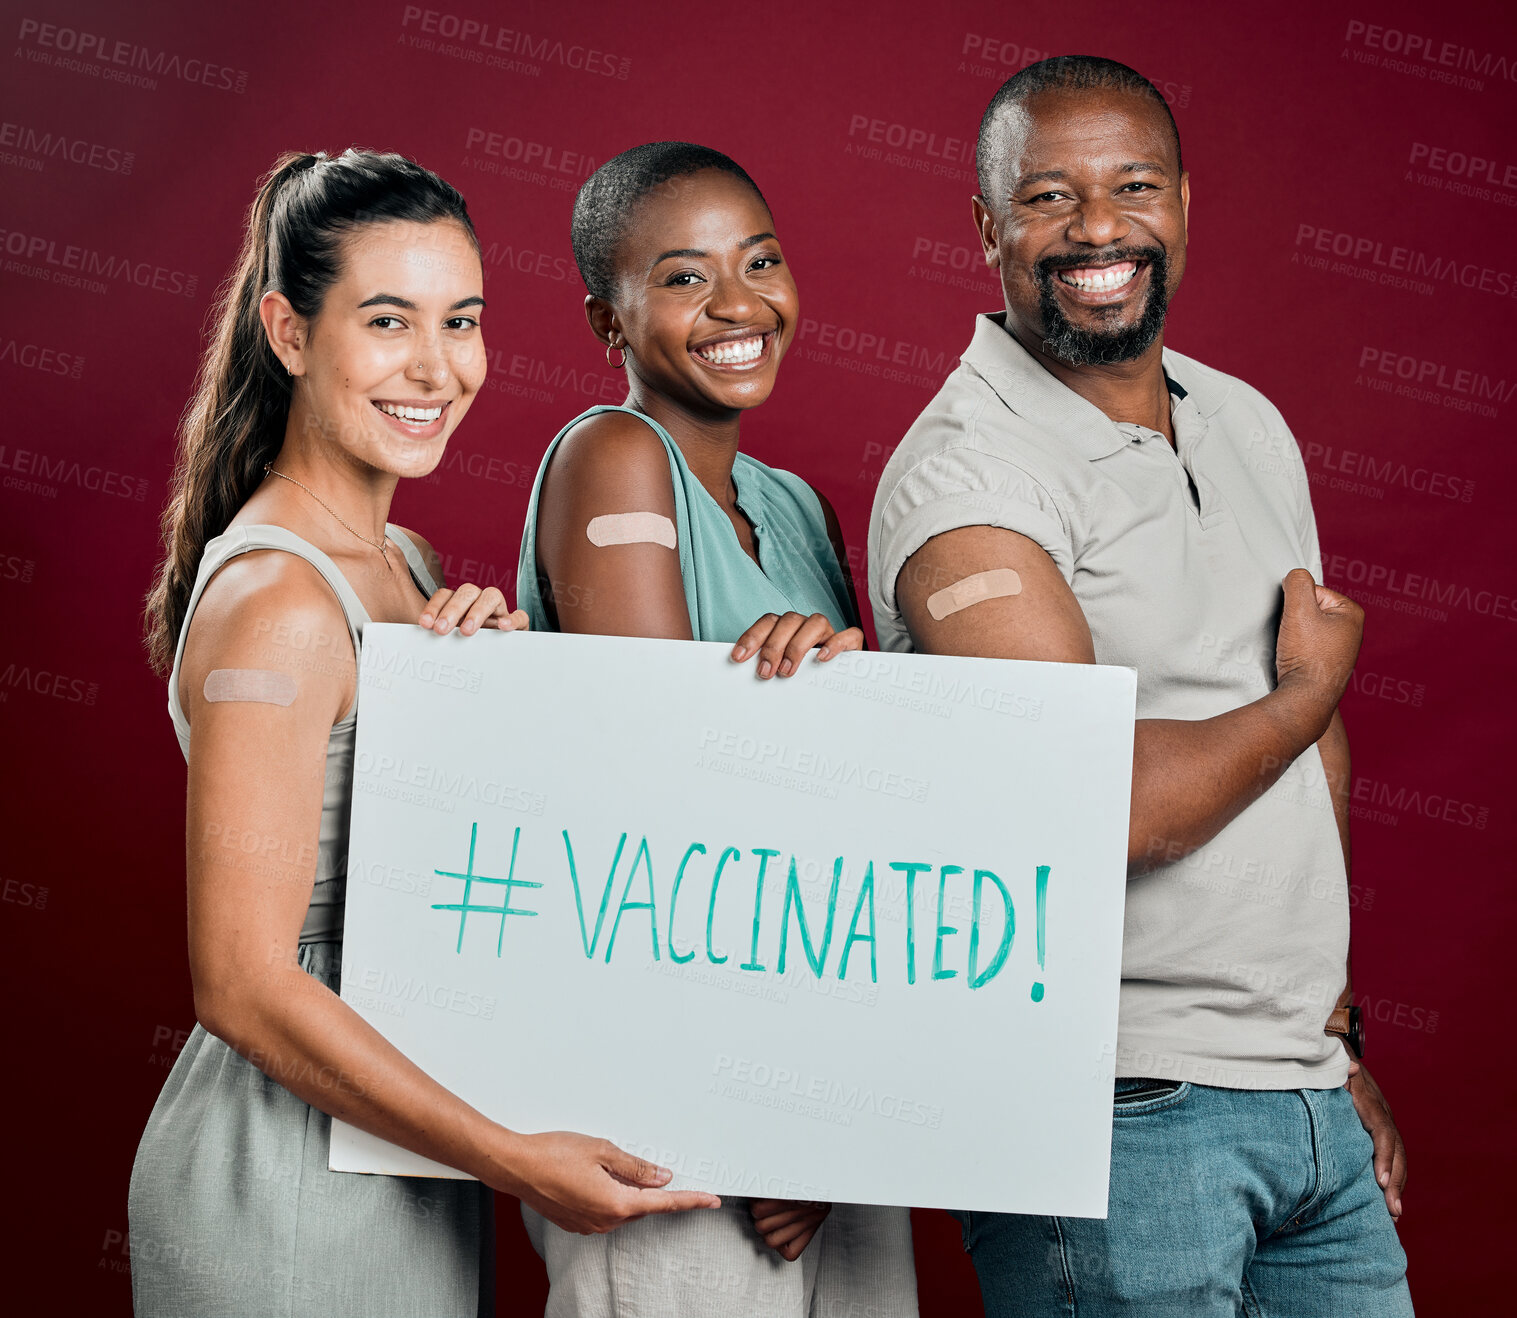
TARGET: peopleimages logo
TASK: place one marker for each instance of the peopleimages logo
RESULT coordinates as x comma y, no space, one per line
35,146
37,256
100,56
1424,56
30,471
953,265
525,160
1464,165
1431,374
1399,800
1404,587
957,150
1458,389
911,147
38,357
1462,174
45,682
529,261
496,46
1387,263
533,377
994,57
872,345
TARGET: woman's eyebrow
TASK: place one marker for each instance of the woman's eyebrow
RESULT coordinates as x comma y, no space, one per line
395,300
697,252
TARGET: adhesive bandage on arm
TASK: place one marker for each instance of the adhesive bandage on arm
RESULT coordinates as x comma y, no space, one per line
631,529
259,686
997,583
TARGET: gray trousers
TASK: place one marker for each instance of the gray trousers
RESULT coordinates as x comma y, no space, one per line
710,1263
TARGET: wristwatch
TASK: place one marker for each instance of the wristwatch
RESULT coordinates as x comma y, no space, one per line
1348,1024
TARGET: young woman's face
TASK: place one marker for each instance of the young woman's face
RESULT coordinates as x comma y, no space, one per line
395,356
704,298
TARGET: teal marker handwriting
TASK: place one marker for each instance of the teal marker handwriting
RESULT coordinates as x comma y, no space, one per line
798,922
466,908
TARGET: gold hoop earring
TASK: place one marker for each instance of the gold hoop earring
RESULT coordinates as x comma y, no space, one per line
610,348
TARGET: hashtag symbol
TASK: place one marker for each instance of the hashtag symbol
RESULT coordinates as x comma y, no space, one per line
466,908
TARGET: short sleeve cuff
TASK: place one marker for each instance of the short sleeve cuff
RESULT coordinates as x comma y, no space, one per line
950,512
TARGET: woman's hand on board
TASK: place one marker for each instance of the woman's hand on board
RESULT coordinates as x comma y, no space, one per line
787,1225
780,641
589,1186
470,608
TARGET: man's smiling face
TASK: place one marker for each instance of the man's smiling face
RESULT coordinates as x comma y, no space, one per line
1087,224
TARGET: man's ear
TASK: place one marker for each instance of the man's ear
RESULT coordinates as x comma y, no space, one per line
985,226
1185,201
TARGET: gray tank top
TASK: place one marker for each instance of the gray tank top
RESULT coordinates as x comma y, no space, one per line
323,922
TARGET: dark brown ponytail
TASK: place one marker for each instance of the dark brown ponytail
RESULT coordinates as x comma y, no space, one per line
235,420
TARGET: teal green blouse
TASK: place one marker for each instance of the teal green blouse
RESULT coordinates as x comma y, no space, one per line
726,591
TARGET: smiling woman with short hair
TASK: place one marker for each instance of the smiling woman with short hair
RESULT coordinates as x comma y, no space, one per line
647,520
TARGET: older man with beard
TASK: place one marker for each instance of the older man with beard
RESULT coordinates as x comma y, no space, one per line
1077,492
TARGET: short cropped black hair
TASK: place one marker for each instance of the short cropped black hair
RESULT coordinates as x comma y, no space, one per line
1061,73
609,196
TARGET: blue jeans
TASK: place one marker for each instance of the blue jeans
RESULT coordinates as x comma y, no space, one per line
1225,1202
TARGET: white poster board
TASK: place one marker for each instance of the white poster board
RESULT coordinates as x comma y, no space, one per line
755,931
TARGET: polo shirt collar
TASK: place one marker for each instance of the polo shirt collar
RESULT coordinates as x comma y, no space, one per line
1031,391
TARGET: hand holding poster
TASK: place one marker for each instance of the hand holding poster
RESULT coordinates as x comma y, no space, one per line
851,936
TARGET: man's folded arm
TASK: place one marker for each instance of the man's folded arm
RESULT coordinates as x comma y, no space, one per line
1190,778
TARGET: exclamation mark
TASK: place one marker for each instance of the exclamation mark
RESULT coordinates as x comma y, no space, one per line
1037,988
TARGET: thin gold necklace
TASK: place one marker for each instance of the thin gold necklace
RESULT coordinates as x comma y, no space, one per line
382,545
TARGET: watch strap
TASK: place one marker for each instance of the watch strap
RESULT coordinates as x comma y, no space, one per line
1347,1023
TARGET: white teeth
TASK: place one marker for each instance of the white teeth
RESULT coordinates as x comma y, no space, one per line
1100,280
418,415
734,354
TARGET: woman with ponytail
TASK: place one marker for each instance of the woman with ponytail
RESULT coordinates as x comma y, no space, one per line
346,349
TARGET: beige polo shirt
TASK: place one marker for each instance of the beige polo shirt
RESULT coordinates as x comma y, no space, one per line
1234,955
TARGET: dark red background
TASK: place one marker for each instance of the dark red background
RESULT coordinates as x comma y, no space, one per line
1292,114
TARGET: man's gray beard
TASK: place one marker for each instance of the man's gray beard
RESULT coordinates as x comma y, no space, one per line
1079,347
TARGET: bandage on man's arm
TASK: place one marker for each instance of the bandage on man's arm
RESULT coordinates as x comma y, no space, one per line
1190,778
607,552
